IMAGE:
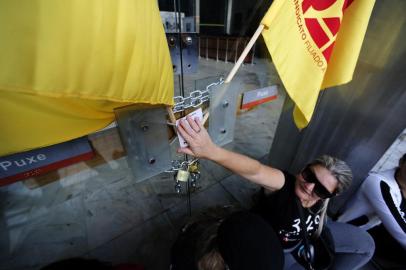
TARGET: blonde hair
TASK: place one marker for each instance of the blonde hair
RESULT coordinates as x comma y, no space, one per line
205,226
342,172
211,261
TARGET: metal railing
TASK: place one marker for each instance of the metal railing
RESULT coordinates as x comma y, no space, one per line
226,49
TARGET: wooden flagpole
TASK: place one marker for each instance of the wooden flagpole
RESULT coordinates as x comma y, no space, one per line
240,60
244,53
232,72
172,117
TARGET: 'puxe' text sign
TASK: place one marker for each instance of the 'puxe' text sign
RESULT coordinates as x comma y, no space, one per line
31,163
258,96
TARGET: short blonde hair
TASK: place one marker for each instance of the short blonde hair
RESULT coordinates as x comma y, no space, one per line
342,172
338,168
211,261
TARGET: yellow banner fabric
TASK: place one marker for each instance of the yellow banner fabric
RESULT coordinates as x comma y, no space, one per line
66,64
314,44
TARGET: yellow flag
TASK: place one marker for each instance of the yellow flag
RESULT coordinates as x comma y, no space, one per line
314,44
65,65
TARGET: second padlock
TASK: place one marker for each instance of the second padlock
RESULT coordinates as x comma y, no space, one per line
182,175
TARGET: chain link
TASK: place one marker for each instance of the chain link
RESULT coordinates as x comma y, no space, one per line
195,98
179,164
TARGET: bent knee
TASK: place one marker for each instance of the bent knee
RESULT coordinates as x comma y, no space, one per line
366,243
349,238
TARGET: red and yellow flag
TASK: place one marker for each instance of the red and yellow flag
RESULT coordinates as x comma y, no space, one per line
314,44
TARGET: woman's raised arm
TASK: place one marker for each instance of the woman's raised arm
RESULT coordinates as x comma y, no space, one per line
200,145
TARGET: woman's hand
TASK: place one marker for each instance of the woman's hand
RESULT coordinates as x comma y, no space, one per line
201,146
198,139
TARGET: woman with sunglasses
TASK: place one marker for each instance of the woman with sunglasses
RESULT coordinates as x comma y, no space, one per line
288,199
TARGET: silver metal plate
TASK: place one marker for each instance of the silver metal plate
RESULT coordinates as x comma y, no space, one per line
189,52
145,138
223,107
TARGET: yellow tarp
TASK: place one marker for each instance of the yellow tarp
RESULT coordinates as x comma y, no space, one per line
66,64
314,44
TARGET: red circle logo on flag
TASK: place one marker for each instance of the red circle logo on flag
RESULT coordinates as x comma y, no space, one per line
323,19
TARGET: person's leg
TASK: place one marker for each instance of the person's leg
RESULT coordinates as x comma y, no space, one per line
291,263
353,246
384,242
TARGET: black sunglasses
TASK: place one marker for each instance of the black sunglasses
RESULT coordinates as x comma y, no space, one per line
320,190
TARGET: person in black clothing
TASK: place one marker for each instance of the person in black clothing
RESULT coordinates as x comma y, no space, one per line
294,205
234,241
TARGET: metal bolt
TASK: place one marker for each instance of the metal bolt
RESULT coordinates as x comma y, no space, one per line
151,160
225,104
223,130
172,41
188,40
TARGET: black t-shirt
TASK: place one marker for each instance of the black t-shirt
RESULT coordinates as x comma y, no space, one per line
281,211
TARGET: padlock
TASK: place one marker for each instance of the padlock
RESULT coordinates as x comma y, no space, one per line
194,167
182,175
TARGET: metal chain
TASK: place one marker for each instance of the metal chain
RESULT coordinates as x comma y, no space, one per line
179,164
195,98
